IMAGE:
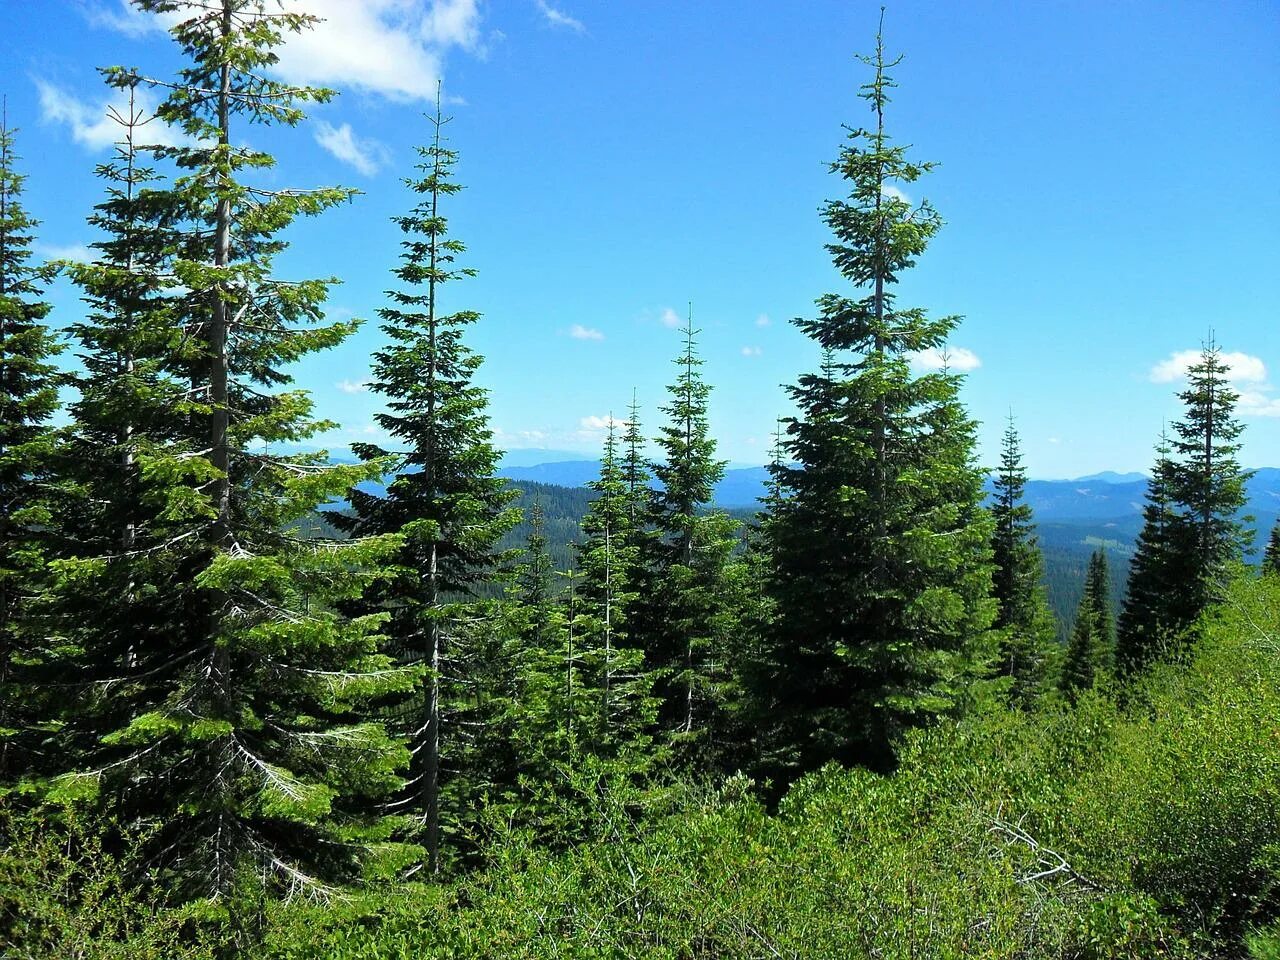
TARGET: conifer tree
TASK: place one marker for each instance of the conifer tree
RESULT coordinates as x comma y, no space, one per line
1146,617
615,669
445,501
238,718
685,607
1207,484
28,398
881,549
1271,557
1091,651
1026,625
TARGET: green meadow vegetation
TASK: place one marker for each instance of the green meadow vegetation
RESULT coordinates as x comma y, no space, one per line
438,722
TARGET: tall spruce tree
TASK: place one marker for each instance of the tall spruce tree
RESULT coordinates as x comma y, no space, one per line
1091,651
1026,625
445,501
881,549
237,722
688,563
28,398
1146,617
1207,485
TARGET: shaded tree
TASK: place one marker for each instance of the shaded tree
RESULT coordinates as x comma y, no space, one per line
1091,650
1026,625
1271,557
881,548
28,398
1146,620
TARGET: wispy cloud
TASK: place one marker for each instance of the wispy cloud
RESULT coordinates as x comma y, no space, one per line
579,332
351,386
1258,403
93,124
955,359
122,17
669,318
558,18
598,424
366,156
391,48
763,320
78,252
751,351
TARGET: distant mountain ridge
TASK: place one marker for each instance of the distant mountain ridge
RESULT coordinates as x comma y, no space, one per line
1101,496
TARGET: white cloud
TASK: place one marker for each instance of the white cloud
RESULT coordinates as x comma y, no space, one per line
1247,373
669,318
558,18
94,125
889,190
1258,403
596,424
367,156
1055,440
1244,368
763,320
579,332
122,17
350,386
955,359
392,48
751,351
78,252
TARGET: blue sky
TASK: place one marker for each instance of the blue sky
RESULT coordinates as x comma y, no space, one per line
1107,171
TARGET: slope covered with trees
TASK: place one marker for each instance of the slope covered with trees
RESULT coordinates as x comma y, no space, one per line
451,718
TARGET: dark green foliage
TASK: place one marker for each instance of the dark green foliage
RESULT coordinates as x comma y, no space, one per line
1146,623
1091,652
1026,626
235,718
1193,532
686,594
28,398
1206,482
1271,558
881,549
447,507
1086,832
614,685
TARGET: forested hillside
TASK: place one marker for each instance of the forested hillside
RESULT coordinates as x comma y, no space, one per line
259,701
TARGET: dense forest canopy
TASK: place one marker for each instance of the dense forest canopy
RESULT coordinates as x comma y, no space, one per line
256,700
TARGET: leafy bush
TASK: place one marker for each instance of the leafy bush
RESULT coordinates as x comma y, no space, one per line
63,895
1087,832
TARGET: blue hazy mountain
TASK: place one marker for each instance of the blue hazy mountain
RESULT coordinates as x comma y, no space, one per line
1095,501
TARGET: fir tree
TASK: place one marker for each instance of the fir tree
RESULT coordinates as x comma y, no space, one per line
1271,557
1145,619
1207,485
445,501
1091,651
881,549
28,398
688,560
238,719
619,682
1027,629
